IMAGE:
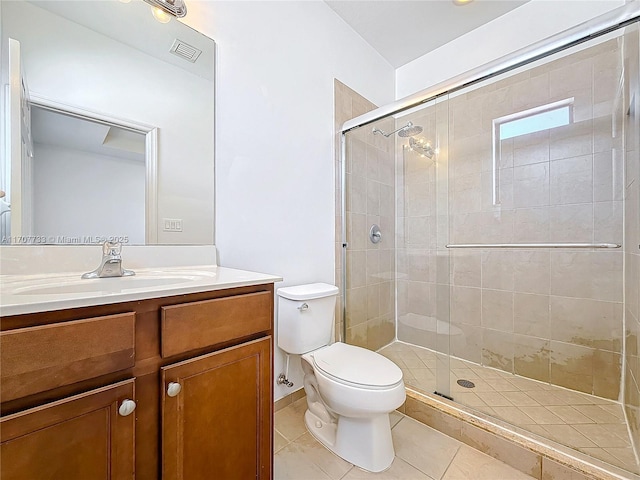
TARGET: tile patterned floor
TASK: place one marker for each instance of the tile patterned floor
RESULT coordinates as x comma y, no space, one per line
587,423
422,453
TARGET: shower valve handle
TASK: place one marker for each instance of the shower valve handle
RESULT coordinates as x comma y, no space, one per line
375,235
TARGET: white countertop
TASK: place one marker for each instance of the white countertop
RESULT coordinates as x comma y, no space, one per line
20,294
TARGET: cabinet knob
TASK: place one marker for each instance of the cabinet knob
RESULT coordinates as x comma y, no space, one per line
173,389
127,407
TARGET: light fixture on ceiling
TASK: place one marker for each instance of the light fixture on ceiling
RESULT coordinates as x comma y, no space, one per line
160,15
163,10
462,2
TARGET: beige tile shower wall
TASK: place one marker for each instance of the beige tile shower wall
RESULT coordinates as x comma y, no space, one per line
370,200
632,234
551,315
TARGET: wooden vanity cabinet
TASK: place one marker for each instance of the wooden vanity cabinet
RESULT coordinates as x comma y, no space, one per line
215,411
69,372
80,437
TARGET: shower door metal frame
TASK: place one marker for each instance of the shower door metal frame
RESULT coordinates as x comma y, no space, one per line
601,25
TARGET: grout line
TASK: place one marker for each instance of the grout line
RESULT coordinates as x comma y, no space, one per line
347,472
451,462
286,438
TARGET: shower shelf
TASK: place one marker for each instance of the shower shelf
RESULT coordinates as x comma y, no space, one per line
533,245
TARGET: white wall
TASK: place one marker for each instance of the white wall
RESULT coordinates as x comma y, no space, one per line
528,24
275,133
91,202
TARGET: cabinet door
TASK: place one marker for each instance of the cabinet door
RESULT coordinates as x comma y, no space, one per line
218,422
78,438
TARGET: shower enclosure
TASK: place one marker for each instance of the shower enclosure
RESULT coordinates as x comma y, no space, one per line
491,236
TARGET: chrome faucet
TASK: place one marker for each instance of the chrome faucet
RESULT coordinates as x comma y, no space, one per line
111,264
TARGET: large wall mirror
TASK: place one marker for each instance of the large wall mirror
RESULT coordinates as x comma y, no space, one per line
109,121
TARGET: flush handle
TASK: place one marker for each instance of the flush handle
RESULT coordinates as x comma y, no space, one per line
303,307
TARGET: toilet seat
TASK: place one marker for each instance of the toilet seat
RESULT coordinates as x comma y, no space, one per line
357,367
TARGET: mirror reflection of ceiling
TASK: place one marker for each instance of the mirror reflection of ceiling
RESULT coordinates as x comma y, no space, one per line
53,128
135,26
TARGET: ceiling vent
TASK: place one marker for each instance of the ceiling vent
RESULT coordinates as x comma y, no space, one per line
184,50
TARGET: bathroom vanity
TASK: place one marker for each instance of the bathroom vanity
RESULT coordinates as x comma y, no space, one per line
172,381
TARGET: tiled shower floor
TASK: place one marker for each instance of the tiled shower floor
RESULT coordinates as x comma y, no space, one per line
587,423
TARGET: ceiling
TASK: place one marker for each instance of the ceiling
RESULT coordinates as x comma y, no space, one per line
133,24
57,129
403,30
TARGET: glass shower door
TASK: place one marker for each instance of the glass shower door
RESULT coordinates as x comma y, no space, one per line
423,261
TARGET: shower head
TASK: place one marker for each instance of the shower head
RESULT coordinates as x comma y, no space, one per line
407,131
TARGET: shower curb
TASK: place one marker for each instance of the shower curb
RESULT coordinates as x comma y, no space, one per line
541,459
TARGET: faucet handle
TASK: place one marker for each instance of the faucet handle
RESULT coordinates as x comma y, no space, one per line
111,264
111,248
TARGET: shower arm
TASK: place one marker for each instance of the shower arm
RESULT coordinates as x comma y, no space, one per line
382,132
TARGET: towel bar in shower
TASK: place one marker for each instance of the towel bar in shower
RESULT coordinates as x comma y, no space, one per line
533,245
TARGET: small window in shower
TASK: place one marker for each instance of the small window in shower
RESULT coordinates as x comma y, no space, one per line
544,117
530,121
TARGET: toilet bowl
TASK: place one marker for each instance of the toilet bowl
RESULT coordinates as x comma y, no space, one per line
349,406
350,390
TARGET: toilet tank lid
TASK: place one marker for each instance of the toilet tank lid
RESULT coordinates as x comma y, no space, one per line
308,292
357,365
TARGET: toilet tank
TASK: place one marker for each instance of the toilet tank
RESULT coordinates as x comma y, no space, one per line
305,316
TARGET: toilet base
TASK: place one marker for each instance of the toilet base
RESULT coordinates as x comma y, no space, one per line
365,442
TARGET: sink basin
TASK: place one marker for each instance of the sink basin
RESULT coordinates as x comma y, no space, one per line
106,285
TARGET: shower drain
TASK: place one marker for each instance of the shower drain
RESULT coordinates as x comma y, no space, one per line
466,383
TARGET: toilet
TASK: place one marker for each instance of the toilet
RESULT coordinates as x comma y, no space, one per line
350,390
